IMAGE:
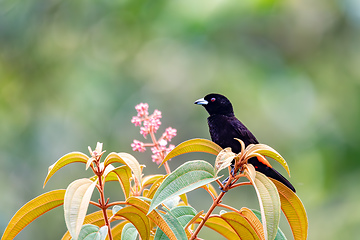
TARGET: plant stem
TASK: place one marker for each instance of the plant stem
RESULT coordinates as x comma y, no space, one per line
211,209
103,205
156,144
227,207
210,193
240,184
95,204
167,168
116,203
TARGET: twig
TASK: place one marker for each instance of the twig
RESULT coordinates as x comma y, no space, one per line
211,209
95,204
240,184
227,207
103,205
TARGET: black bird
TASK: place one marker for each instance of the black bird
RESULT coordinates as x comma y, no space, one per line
224,127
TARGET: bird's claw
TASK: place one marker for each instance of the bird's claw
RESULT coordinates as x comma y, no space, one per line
232,172
222,190
223,183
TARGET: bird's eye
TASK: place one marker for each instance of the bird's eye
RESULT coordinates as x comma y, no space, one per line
213,99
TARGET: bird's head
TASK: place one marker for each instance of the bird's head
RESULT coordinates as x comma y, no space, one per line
216,104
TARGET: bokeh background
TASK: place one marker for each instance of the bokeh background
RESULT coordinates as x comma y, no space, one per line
71,73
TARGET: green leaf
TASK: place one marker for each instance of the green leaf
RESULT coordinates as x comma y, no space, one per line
222,211
116,231
128,160
32,210
95,218
76,202
92,232
294,211
269,202
172,202
279,235
129,232
103,232
184,214
187,177
65,160
193,145
116,208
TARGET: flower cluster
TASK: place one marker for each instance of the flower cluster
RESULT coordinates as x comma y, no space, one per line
149,124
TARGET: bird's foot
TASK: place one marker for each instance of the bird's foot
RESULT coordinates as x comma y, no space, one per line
224,184
232,172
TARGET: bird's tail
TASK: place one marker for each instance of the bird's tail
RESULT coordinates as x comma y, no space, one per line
270,172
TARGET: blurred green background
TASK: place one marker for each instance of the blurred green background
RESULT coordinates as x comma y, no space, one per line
71,73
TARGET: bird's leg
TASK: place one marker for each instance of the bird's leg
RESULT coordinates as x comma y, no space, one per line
225,185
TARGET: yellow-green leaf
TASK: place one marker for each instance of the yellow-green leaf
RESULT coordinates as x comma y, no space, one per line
153,215
138,219
123,174
196,217
240,225
175,225
210,188
269,202
150,179
253,220
183,197
270,152
193,145
32,210
219,225
294,211
65,160
126,159
155,186
76,202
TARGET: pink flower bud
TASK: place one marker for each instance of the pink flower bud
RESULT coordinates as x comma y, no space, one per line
138,146
152,124
136,121
157,156
142,109
169,133
144,131
156,114
170,148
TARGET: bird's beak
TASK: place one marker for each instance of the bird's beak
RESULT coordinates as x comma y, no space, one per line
201,101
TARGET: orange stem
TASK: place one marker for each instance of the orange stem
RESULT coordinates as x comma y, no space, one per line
211,209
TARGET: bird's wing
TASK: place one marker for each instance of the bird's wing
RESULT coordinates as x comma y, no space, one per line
244,133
